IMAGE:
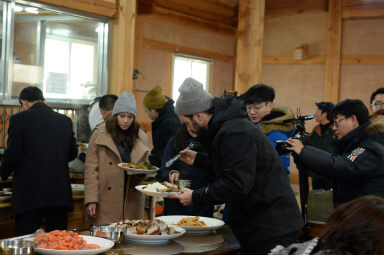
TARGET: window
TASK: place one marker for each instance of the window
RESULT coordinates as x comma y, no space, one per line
62,53
188,66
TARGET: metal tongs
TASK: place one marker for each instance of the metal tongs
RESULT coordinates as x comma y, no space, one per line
175,158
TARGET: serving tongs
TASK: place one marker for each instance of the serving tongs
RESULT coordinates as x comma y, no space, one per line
175,158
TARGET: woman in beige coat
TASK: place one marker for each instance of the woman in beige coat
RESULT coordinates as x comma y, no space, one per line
110,194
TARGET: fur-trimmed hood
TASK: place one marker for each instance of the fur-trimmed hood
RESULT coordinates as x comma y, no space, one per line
275,120
376,126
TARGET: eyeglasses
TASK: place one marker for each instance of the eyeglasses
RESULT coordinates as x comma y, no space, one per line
336,121
253,107
377,104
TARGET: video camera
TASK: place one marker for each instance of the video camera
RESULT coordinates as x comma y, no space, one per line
299,122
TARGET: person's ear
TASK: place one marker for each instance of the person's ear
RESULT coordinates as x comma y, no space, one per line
355,122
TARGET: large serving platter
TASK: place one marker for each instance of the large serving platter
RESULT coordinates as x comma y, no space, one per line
211,223
132,171
154,239
154,193
103,243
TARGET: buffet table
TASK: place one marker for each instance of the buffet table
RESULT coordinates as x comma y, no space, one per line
220,242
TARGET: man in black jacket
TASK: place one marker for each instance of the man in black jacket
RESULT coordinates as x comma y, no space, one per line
358,167
40,145
250,176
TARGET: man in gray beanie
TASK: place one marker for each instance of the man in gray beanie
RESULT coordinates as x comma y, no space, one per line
250,177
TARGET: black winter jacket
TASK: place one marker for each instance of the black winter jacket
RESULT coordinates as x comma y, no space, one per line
40,145
163,128
250,176
358,169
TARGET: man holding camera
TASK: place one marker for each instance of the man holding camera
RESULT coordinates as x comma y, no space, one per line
358,168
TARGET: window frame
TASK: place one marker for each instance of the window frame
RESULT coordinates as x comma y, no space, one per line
6,61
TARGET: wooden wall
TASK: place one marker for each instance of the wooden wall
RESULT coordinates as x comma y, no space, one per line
156,42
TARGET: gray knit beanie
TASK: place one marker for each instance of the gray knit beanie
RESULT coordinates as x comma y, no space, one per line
193,98
125,103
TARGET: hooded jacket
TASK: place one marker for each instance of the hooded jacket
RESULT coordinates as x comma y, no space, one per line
104,181
163,128
277,127
358,169
250,176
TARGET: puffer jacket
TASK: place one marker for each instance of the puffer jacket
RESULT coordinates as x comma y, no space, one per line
250,177
358,169
104,180
277,128
163,128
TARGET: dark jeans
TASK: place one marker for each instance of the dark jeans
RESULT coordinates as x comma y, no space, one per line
265,246
29,222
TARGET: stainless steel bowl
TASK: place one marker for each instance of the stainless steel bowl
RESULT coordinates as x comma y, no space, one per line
115,234
16,247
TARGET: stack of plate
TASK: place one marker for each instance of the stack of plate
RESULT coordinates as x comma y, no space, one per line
77,189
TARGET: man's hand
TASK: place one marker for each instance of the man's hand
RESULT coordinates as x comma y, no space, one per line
185,196
91,209
174,177
296,145
188,156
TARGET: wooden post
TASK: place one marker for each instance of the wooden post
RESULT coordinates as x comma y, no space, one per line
332,62
122,55
249,44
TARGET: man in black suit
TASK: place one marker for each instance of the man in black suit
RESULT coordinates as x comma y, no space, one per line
40,145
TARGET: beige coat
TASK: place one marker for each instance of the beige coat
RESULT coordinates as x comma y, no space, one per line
104,180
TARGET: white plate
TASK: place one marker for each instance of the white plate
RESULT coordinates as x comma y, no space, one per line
154,193
211,223
103,243
131,171
154,239
77,186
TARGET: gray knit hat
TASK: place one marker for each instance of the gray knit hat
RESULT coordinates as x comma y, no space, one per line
125,103
193,98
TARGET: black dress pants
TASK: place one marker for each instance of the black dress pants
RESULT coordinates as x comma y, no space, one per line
29,222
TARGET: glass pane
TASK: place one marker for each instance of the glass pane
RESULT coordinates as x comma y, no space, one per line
57,52
188,67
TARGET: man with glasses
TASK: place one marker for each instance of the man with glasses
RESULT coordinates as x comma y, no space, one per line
358,168
259,101
377,100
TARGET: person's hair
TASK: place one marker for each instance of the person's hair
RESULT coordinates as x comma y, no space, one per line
375,93
118,135
349,107
356,227
107,102
258,93
31,94
209,111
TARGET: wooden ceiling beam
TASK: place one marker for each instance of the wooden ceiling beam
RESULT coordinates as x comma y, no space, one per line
205,9
354,9
187,20
276,8
145,6
99,7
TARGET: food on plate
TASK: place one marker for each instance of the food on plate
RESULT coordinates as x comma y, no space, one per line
63,240
162,187
191,221
144,166
147,227
80,144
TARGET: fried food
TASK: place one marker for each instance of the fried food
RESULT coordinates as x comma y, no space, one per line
191,221
147,227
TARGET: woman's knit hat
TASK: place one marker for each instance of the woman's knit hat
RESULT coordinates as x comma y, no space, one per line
154,99
125,103
193,98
